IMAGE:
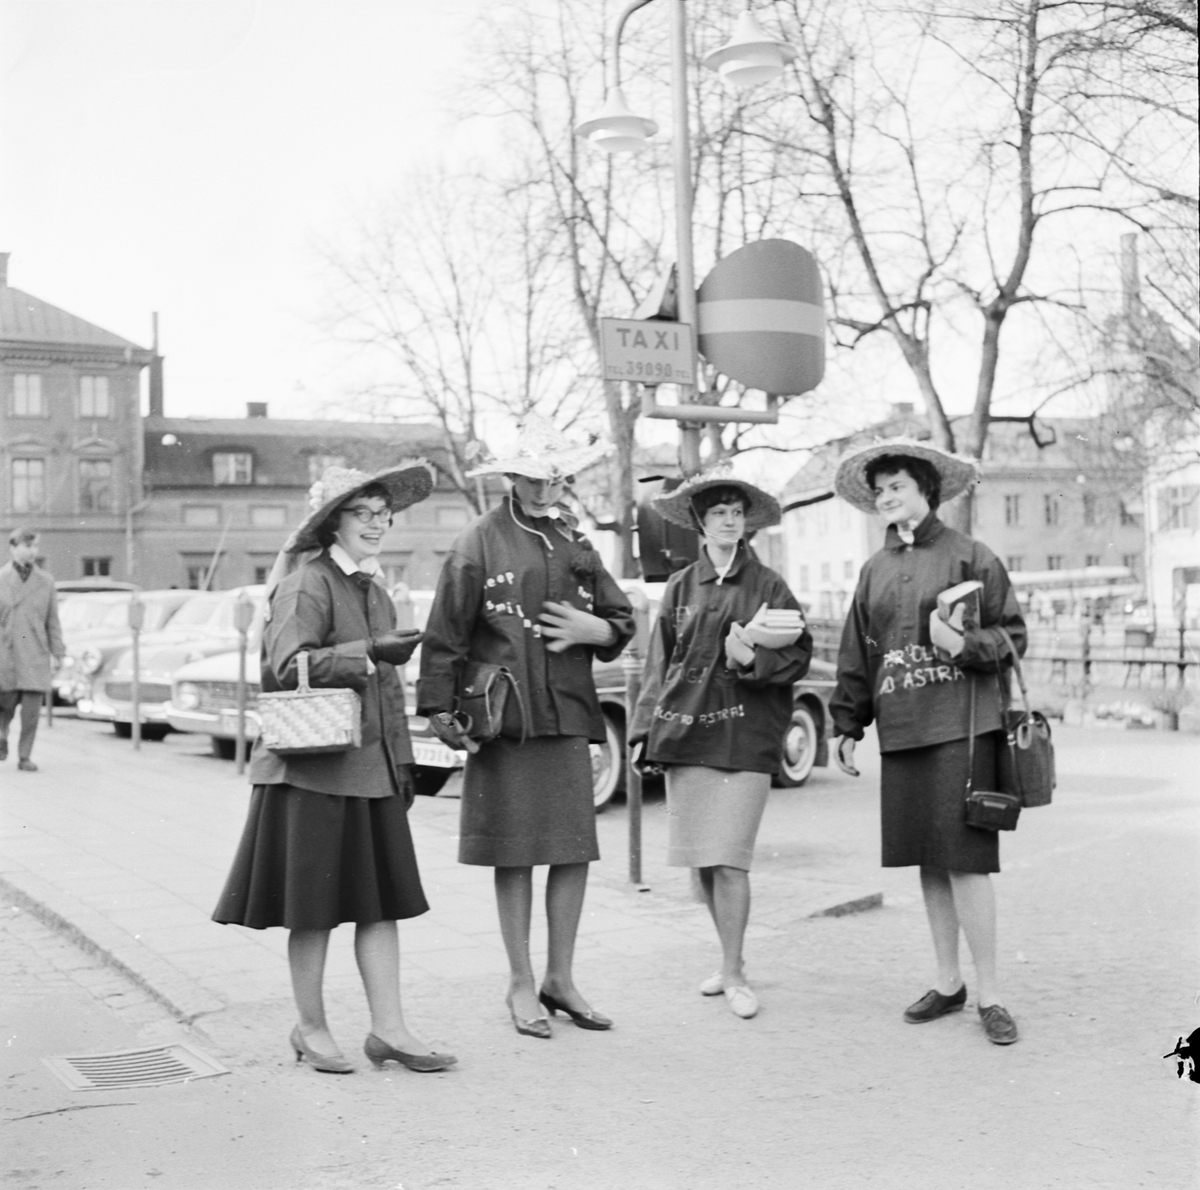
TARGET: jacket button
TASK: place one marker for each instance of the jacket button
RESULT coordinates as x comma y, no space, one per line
906,578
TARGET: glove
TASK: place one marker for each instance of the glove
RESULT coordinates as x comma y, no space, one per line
943,636
446,727
395,647
637,758
844,755
567,626
739,652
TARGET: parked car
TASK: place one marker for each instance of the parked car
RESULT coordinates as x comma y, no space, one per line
202,627
87,586
96,626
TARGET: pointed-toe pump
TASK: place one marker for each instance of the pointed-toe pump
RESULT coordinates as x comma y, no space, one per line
535,1026
378,1051
325,1063
585,1020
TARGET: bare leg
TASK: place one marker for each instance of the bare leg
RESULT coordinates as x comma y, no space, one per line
514,901
377,950
565,888
731,912
975,903
306,958
943,925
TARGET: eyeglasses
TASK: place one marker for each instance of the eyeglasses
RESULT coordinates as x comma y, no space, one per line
366,515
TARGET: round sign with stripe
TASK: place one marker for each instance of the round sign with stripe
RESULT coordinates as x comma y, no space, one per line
761,318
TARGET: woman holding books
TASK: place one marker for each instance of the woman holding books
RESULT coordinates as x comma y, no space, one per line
912,672
716,703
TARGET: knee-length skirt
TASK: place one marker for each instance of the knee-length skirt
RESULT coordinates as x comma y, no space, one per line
713,816
311,861
529,803
922,794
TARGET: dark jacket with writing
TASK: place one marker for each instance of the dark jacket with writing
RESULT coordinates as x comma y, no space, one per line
501,570
321,610
693,708
888,672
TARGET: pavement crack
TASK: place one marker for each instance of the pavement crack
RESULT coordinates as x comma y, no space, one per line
75,1107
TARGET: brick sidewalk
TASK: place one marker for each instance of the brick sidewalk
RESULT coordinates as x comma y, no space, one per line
127,852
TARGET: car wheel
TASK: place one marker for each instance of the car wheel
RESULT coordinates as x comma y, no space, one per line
428,780
123,731
607,761
799,749
154,731
224,748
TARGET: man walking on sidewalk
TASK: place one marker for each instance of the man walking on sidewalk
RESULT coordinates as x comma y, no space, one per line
31,644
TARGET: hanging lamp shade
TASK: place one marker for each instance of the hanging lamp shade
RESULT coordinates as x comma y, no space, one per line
751,56
617,129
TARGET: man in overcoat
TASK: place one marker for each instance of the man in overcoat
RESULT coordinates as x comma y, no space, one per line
31,644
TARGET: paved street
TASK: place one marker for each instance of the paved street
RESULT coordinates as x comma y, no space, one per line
126,852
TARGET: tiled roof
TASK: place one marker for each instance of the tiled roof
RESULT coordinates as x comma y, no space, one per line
27,319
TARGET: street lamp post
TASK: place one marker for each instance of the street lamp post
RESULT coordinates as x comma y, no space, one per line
749,58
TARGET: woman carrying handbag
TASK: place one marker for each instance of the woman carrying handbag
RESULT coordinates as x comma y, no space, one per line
906,669
327,838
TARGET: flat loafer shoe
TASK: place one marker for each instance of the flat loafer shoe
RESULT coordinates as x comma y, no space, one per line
933,1005
742,1002
713,985
999,1026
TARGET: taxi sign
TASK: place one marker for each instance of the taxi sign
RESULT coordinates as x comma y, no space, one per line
647,351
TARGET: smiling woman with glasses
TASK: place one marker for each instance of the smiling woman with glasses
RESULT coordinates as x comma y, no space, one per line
327,837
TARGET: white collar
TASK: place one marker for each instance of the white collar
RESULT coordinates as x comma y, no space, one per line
347,565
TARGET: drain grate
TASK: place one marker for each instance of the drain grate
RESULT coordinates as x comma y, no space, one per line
153,1067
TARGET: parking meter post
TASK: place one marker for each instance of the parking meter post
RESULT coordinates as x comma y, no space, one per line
631,665
243,613
50,705
137,617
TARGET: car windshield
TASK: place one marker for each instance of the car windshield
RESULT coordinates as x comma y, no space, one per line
200,611
80,612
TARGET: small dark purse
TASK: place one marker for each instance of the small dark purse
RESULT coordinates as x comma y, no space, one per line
1026,766
482,699
987,809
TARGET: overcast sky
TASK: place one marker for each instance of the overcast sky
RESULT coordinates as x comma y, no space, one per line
184,155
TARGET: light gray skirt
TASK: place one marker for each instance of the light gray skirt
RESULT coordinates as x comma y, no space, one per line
713,816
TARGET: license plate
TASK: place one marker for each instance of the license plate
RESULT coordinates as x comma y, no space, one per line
435,755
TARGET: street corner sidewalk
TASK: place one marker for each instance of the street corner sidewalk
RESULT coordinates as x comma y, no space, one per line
126,852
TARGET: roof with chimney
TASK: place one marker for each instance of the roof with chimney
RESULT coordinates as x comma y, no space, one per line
28,319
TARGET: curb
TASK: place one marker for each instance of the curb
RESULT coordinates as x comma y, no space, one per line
181,996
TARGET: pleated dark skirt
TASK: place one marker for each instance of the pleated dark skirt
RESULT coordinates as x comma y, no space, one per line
529,803
922,792
311,861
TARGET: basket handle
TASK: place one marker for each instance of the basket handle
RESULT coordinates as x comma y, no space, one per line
302,666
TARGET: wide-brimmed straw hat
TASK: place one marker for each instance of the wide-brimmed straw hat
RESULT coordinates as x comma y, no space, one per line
409,482
761,510
957,473
544,452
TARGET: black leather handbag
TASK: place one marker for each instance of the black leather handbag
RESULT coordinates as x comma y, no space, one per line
482,699
1026,766
987,809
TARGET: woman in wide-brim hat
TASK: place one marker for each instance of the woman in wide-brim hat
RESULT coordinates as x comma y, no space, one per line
523,589
912,674
716,706
327,839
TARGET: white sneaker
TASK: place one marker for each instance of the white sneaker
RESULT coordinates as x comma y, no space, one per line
713,985
742,1002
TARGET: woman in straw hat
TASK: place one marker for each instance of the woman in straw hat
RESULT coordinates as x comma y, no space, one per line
327,838
910,672
522,589
715,705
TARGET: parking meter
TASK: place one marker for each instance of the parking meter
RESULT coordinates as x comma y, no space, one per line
631,667
243,617
137,618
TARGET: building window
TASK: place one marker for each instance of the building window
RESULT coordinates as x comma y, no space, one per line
97,567
28,485
196,575
1012,510
1092,560
803,578
27,395
826,577
1050,503
1130,562
260,574
1054,561
95,485
233,467
318,463
1128,519
848,568
93,397
1090,516
1177,507
201,516
1014,562
268,516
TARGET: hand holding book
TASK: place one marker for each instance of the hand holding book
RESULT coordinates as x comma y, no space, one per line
946,621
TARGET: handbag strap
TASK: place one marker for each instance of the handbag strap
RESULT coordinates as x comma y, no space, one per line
971,739
1016,662
515,687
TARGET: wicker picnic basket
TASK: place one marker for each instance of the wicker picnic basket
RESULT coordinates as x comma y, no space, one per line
302,721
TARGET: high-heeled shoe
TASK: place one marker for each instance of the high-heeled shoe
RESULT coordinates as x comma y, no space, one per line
379,1052
585,1020
535,1026
325,1063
